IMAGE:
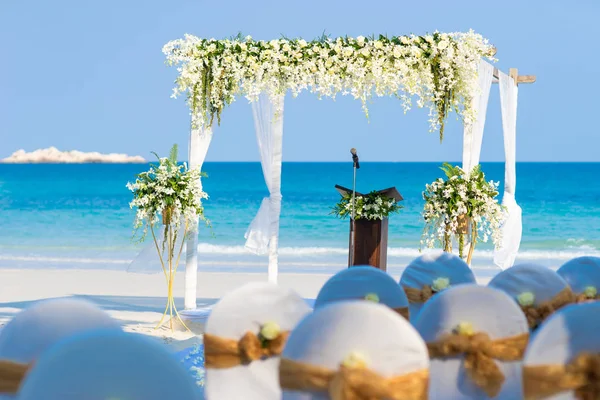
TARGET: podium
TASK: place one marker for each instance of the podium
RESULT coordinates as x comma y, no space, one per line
370,236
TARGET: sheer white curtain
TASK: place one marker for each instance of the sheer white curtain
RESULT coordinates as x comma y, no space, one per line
198,147
512,229
473,135
263,233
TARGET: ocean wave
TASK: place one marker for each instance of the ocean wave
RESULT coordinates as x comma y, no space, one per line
565,254
296,256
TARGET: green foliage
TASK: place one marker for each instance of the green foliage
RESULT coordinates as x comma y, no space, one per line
372,206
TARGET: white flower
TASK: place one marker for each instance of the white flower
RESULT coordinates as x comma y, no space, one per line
372,297
360,40
440,284
270,330
464,328
526,299
378,45
590,292
443,44
355,360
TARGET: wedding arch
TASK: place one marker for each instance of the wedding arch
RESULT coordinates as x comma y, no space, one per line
443,72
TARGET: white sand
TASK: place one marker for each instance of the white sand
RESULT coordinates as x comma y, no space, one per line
137,300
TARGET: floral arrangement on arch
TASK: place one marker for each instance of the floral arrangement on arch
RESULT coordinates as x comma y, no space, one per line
372,206
463,202
439,70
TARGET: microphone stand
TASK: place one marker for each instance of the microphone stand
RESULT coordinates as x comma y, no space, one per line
352,226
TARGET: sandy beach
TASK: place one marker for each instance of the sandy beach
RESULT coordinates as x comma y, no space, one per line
136,300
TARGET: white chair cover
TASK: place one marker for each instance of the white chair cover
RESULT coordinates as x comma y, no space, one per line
543,282
103,365
389,344
243,310
581,272
32,331
357,282
489,311
570,331
425,269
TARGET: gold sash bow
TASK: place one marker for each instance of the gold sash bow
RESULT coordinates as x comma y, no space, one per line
226,353
418,295
479,354
538,314
352,383
11,375
582,375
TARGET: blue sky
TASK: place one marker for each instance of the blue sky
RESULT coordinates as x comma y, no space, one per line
91,76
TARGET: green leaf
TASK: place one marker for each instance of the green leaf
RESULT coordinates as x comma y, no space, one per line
173,154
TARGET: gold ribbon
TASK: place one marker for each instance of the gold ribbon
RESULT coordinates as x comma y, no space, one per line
11,375
403,311
581,375
538,314
352,383
479,354
418,295
583,298
226,353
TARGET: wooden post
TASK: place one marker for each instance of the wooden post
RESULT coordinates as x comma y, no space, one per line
514,73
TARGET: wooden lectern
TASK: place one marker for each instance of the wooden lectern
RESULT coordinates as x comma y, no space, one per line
370,236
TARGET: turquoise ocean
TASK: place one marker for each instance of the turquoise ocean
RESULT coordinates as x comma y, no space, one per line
78,216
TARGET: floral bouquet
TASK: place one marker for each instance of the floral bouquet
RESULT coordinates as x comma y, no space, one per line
170,194
462,202
372,206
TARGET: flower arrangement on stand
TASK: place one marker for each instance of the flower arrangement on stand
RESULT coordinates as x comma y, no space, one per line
460,207
169,194
372,206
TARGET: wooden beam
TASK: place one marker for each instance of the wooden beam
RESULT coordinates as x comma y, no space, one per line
514,73
526,79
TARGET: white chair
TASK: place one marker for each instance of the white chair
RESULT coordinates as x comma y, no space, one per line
431,273
476,336
363,283
241,363
539,290
103,365
564,356
359,346
583,275
36,329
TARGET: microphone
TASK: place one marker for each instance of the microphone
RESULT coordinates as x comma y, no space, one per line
355,158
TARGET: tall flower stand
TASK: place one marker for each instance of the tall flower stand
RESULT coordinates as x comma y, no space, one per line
169,265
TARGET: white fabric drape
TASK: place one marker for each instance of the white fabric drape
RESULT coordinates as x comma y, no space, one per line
512,228
199,142
262,235
473,135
